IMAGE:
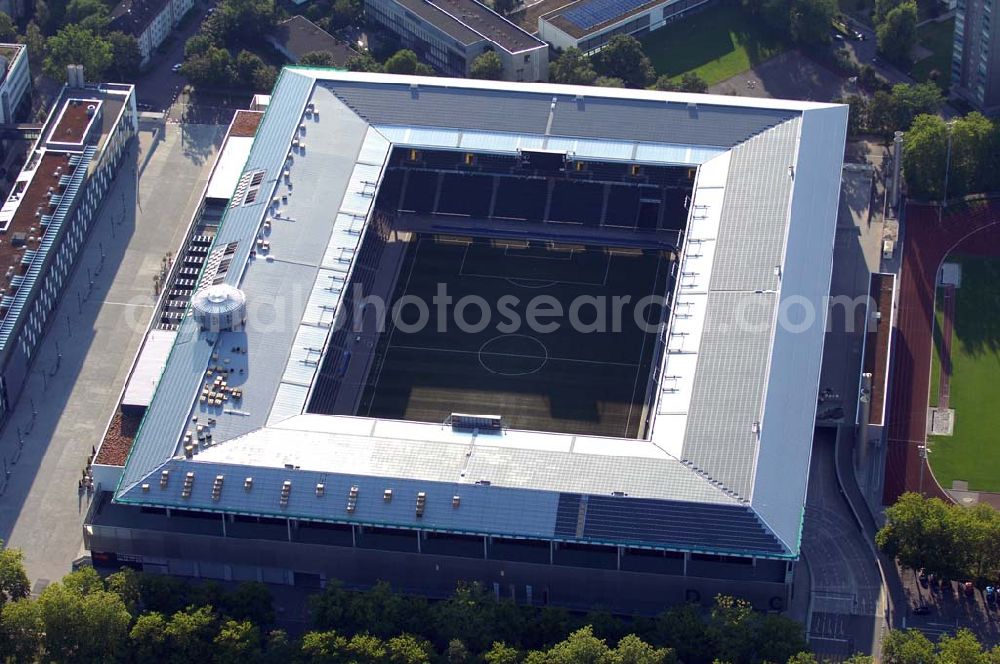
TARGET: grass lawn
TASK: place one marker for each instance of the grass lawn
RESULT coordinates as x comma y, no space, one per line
937,37
716,44
973,453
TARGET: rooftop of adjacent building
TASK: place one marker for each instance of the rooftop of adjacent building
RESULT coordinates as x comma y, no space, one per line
46,175
9,52
134,16
299,36
586,17
469,22
245,123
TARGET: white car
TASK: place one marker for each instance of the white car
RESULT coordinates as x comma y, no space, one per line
177,67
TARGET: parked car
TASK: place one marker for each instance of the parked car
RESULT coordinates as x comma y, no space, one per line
968,588
177,67
858,36
991,595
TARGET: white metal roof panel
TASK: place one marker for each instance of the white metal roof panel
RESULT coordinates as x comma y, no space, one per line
148,367
229,167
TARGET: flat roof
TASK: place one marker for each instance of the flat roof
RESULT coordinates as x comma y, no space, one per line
229,167
876,361
299,36
733,422
586,17
75,120
245,123
469,22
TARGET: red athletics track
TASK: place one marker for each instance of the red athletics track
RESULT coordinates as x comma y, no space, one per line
975,228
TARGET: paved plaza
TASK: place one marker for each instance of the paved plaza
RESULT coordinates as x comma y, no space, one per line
80,368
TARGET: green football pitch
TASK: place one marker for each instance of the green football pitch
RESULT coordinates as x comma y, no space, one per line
498,348
972,454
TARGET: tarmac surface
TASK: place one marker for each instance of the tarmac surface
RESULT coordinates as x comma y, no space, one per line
80,368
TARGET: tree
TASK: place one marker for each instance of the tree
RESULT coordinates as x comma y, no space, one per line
692,82
580,647
608,82
572,67
405,61
126,58
82,621
190,633
973,150
633,650
909,101
487,66
622,58
14,583
857,117
8,31
318,59
501,653
148,638
457,653
345,13
897,34
809,20
198,44
363,62
882,9
21,631
237,22
408,649
35,42
126,583
77,45
918,531
907,647
237,642
213,68
251,601
89,14
683,629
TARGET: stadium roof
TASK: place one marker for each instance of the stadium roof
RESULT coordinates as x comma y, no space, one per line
726,464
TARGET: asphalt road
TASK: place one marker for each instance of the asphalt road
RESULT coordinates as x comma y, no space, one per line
159,86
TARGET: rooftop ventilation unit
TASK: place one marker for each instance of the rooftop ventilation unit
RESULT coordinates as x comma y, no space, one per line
352,499
387,495
220,307
217,487
248,484
188,485
286,490
320,490
164,479
456,501
421,503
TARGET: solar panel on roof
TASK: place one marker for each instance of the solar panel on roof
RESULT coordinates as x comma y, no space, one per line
587,14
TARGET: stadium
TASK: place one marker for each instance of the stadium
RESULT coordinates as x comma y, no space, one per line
563,341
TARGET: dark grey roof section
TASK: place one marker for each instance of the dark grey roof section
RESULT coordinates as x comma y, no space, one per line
440,106
471,22
668,523
528,113
663,122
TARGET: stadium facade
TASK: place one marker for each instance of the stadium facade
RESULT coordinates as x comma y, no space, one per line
260,437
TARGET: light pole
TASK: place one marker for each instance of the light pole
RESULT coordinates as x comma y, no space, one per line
923,451
947,170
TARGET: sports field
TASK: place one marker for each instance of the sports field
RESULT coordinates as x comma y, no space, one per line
973,452
716,43
579,373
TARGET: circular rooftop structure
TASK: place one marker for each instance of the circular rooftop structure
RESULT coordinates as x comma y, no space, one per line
220,307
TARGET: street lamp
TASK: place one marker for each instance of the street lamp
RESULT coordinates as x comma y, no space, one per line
923,451
947,166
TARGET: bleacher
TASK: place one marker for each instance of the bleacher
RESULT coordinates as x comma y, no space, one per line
576,202
521,198
465,193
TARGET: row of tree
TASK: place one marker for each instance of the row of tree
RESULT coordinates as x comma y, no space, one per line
84,38
135,617
913,647
620,64
949,540
237,26
896,29
893,109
